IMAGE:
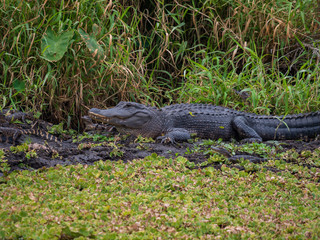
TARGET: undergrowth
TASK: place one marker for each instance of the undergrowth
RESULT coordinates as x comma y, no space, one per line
61,58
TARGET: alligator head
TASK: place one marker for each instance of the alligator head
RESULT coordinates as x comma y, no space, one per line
130,117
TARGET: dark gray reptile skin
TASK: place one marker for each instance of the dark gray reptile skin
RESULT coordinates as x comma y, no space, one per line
177,122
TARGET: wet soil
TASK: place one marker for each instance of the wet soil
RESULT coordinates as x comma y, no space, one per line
49,153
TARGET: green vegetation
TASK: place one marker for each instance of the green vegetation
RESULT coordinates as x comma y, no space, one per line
29,153
158,197
20,148
4,166
95,137
60,58
168,198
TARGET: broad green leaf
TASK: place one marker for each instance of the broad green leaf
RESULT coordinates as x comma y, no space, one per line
19,85
92,44
54,46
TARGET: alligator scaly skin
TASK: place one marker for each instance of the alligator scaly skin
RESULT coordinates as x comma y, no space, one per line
220,122
7,115
179,121
11,135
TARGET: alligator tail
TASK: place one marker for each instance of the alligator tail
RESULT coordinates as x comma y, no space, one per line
300,126
40,133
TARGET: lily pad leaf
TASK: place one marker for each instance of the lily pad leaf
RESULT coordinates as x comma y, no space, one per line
54,46
92,44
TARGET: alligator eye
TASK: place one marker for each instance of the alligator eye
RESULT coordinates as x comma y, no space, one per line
130,105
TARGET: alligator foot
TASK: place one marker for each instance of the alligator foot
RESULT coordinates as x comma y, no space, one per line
9,135
166,139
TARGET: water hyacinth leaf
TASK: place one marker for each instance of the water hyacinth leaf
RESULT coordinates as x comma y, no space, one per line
92,44
54,46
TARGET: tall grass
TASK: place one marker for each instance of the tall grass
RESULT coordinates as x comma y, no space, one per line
161,52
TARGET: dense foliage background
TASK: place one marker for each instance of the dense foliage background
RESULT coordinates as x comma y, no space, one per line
63,57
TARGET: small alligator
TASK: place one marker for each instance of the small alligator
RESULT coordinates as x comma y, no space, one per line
11,135
10,115
177,123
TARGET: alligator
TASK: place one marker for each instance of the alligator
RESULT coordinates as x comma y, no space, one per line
11,135
10,115
178,122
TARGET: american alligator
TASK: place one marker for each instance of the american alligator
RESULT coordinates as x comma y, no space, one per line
11,135
8,115
177,122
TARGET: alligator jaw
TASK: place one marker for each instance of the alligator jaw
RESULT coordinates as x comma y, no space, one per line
120,118
99,117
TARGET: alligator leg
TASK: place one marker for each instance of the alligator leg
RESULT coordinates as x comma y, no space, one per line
175,134
246,133
9,135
